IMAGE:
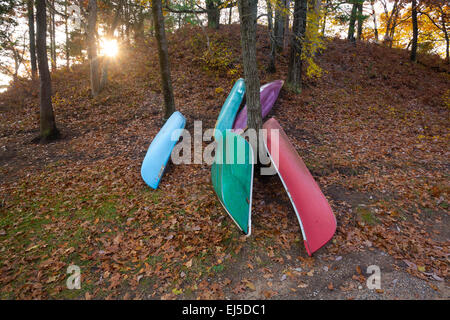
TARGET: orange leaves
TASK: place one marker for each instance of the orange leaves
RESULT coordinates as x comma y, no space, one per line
249,284
269,294
82,199
114,281
188,264
330,286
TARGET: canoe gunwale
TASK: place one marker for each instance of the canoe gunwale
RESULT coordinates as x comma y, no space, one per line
324,240
289,195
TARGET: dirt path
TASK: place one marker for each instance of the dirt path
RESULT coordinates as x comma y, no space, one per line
329,277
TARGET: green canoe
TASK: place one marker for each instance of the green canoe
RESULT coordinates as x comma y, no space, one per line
232,178
230,108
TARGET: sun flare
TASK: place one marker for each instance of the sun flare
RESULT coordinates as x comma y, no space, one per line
109,47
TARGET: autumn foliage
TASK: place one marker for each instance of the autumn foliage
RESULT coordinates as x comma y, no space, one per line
373,130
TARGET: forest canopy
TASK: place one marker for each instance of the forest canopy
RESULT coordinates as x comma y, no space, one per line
388,22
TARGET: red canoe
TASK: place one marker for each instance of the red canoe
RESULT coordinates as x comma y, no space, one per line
313,212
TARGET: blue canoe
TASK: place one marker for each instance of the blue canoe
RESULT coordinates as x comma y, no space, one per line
230,108
160,149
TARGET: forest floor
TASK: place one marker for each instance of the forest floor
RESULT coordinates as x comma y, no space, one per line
373,130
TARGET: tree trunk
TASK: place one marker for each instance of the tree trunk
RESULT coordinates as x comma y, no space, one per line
444,29
394,25
32,36
447,56
53,38
325,18
213,12
50,38
374,15
66,31
127,20
279,25
271,66
16,66
110,34
230,15
388,23
139,23
48,128
387,37
360,21
351,26
164,64
415,31
286,25
247,16
294,80
92,47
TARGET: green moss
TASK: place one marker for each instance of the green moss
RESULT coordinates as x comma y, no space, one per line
366,215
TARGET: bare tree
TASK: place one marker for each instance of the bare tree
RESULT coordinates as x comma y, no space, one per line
374,16
247,15
213,11
66,32
271,66
48,128
32,38
110,34
280,24
413,56
294,80
360,21
351,26
12,48
92,47
164,64
441,21
391,22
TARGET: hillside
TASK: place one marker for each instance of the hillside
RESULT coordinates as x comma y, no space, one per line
373,130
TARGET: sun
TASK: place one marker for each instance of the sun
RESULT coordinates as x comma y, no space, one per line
109,47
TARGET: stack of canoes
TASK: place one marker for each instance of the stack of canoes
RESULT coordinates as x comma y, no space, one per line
232,170
233,180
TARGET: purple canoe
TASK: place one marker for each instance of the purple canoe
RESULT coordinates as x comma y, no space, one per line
268,95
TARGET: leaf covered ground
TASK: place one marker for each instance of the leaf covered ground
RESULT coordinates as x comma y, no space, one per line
373,130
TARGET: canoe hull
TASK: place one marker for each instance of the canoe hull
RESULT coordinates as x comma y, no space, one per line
268,95
230,108
232,178
160,148
314,214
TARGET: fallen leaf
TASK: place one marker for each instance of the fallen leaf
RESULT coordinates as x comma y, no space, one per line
250,285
